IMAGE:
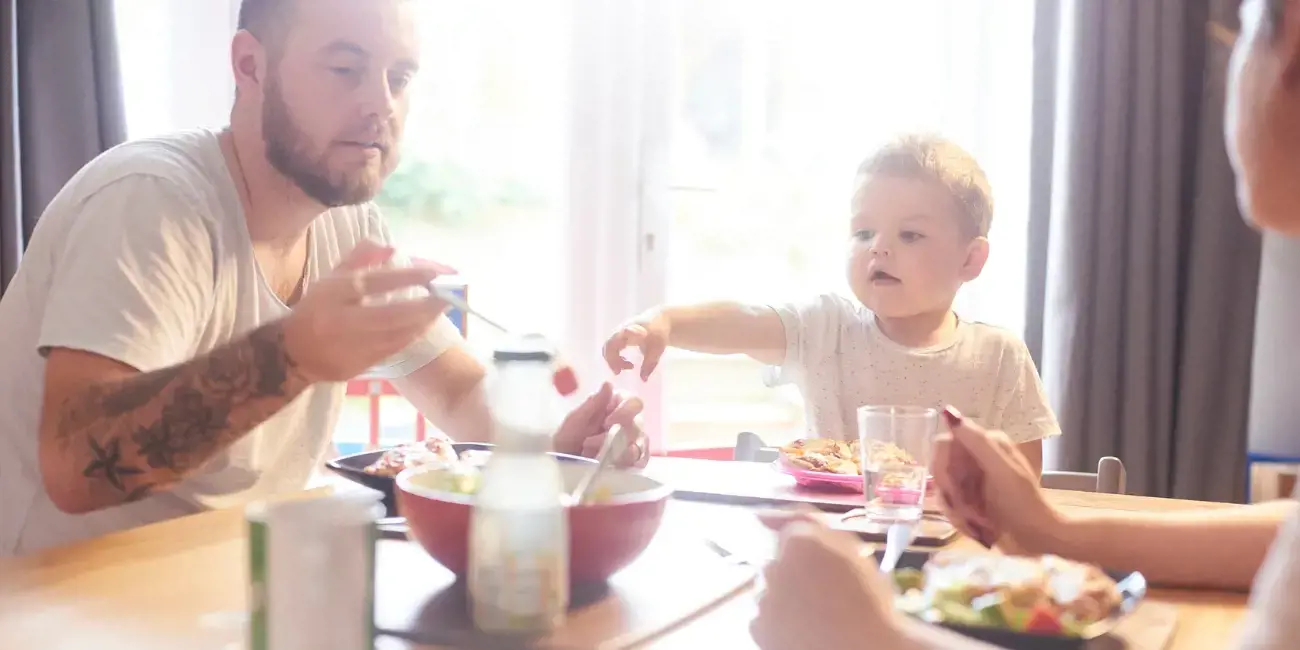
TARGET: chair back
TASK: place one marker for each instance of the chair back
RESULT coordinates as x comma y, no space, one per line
1108,479
750,448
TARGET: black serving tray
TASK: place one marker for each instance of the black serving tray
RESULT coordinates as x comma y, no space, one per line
1133,589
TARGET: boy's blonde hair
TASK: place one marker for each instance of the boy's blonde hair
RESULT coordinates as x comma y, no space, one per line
936,159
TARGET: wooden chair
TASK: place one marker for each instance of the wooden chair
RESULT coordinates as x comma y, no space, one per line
749,447
1109,478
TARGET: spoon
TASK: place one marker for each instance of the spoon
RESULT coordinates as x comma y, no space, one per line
446,295
566,382
613,447
897,538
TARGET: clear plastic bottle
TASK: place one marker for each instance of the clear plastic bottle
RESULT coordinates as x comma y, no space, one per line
519,533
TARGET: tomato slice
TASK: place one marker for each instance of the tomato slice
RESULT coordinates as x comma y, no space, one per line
565,380
1042,620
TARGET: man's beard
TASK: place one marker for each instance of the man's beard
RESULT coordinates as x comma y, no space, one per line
289,152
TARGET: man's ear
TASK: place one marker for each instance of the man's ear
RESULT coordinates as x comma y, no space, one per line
977,254
248,61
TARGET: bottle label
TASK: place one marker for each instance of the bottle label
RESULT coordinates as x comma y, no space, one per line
518,577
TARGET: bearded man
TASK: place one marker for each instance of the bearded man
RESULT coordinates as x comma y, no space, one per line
177,335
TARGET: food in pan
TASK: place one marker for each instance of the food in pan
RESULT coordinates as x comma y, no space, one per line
432,451
1040,595
456,473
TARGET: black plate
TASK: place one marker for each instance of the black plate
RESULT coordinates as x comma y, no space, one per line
1132,585
353,468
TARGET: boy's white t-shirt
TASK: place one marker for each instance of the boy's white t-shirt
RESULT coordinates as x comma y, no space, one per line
841,360
144,257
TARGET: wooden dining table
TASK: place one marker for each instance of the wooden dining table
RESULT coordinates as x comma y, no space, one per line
165,586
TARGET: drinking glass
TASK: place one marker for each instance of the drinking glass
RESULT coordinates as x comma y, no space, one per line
895,447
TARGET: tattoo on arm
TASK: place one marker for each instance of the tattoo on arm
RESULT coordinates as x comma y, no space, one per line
149,431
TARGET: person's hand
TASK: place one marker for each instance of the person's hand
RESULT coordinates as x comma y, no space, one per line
989,491
584,430
823,592
648,332
341,327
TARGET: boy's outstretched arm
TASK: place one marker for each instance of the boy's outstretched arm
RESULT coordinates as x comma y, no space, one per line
715,327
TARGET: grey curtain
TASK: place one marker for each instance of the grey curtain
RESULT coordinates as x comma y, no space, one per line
1144,276
60,106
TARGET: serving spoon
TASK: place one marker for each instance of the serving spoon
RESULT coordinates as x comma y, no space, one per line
613,447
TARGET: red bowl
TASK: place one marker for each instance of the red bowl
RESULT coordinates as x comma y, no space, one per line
603,537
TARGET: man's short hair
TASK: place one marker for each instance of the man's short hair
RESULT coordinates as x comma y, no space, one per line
940,161
268,20
1274,14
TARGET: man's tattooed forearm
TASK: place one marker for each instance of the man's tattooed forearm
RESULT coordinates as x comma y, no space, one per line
173,420
106,464
106,461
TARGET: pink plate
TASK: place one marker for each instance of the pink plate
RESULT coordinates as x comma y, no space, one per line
818,480
829,480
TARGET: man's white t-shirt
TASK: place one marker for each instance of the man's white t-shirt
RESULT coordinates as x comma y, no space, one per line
144,257
840,360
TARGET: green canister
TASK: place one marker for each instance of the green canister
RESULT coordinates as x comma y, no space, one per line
311,568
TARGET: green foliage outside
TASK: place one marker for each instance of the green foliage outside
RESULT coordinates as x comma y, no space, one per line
446,194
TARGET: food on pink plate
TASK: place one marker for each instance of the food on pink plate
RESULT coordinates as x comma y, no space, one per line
886,454
818,462
432,451
823,455
839,457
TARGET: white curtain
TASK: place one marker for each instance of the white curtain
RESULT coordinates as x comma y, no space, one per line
618,192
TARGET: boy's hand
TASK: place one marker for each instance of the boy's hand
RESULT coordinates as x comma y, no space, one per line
648,332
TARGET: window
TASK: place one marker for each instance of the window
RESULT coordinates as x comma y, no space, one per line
581,161
774,105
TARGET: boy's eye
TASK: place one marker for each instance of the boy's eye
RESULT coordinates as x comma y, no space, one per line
344,71
909,236
864,235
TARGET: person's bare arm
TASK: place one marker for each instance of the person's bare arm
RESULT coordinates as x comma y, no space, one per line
1033,451
1211,549
728,328
110,434
449,391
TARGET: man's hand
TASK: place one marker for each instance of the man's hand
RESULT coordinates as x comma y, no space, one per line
989,490
333,333
583,431
821,592
649,332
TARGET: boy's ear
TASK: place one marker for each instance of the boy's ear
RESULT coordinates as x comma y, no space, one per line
977,254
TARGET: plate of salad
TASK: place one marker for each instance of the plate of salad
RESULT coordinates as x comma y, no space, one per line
1029,603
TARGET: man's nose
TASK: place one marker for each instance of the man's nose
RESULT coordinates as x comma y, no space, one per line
378,99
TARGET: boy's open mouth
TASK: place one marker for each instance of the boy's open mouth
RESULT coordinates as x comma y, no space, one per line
880,277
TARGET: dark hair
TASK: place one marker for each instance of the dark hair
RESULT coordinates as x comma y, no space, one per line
940,161
266,19
1274,14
